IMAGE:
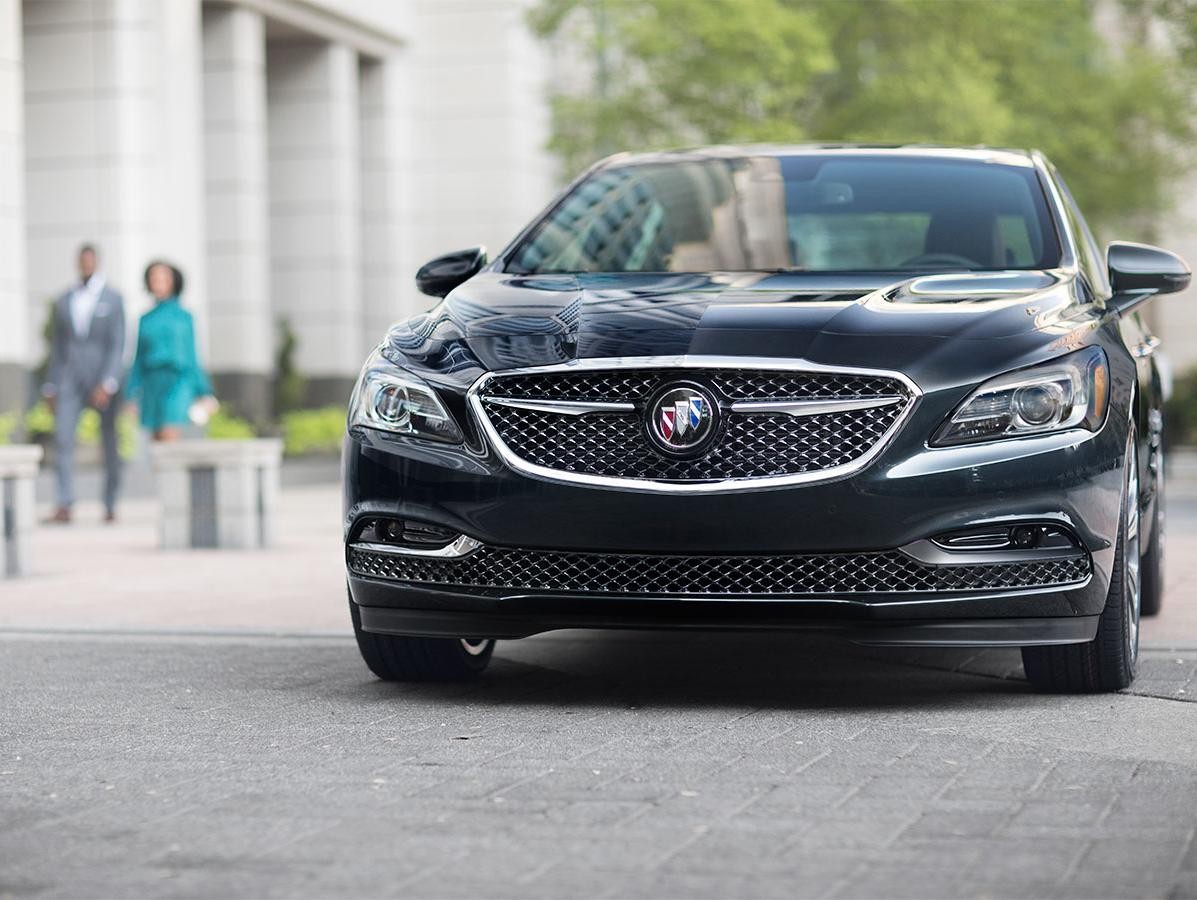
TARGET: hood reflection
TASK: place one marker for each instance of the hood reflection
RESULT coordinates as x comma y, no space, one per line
498,321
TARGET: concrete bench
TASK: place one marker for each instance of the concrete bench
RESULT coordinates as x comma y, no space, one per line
217,494
18,470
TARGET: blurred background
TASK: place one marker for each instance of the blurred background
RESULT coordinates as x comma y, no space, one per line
299,159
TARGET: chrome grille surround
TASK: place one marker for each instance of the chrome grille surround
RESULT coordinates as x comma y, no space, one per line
757,448
828,574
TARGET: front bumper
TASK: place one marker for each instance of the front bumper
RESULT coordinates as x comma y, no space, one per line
908,495
388,609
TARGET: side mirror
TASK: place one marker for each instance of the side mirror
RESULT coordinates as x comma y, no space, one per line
441,275
1142,269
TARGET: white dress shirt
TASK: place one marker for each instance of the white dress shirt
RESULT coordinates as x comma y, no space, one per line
84,298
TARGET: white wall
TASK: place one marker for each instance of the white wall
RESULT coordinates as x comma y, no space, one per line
237,206
476,167
14,349
114,151
315,203
383,137
440,148
1174,317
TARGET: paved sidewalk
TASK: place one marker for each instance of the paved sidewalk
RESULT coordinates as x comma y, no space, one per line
94,576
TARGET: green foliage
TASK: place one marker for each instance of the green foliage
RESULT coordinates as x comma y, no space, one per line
39,421
42,372
310,431
39,427
8,427
1017,73
223,426
289,384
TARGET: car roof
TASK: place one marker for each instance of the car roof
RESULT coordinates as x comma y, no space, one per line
1005,156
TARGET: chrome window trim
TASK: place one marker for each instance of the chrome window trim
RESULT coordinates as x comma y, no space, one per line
687,361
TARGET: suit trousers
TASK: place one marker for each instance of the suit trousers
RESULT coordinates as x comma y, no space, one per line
71,403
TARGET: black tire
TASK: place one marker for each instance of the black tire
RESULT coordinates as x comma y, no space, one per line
1153,556
402,658
1106,663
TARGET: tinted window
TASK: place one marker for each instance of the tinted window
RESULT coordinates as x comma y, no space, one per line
816,213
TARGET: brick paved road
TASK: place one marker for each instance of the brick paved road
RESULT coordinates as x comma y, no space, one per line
606,765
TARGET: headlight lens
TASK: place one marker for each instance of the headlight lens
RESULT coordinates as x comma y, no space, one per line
388,398
1069,392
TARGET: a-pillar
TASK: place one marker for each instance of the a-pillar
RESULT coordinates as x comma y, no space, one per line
315,208
238,210
14,332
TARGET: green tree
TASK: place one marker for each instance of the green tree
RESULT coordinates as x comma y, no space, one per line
1015,73
289,383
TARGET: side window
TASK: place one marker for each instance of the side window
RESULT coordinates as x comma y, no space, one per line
1092,259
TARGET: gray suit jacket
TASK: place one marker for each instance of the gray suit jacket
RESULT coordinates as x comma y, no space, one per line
84,363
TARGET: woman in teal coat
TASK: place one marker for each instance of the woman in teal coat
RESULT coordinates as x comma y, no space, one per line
166,378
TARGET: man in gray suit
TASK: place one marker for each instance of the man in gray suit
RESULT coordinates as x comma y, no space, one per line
86,364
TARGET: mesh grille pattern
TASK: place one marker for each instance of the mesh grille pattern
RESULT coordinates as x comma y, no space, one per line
840,573
751,445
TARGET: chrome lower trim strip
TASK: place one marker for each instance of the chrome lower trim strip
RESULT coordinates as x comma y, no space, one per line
643,485
564,407
522,572
933,554
461,546
811,407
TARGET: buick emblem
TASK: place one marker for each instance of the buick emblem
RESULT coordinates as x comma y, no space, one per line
681,419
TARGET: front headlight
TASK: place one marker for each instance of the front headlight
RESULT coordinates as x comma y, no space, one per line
1069,392
388,398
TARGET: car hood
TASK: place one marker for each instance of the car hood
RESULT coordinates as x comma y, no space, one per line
934,326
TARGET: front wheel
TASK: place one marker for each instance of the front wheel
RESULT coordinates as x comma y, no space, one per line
1106,663
402,658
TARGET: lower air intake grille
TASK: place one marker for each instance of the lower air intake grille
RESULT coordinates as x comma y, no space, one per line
840,573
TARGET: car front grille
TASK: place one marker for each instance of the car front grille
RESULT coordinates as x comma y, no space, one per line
753,445
893,571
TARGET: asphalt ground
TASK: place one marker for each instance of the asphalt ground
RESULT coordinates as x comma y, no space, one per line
199,725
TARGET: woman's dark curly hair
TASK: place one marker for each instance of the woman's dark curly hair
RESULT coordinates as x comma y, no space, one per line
174,272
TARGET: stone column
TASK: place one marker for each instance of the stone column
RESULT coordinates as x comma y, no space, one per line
15,352
383,151
315,200
238,212
18,470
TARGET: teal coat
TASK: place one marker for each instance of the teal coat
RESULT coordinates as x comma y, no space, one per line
166,377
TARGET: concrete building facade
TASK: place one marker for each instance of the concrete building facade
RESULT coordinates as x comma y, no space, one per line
1174,318
298,159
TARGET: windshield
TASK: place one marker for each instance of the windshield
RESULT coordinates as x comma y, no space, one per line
813,213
